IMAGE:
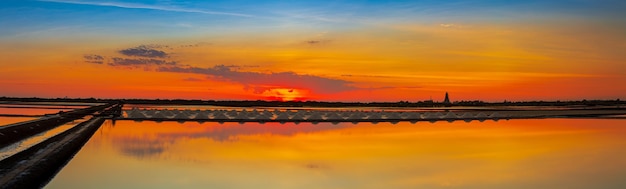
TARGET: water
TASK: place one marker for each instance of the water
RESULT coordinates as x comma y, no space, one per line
530,153
36,139
9,120
14,112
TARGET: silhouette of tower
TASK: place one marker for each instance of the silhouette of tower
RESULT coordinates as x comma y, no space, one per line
446,100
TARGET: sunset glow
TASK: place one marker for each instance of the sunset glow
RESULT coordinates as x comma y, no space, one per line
285,94
310,50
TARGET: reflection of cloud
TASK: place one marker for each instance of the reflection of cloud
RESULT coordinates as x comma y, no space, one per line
262,82
316,166
232,131
155,139
143,51
140,147
94,58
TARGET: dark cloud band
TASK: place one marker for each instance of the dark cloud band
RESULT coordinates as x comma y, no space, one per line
144,51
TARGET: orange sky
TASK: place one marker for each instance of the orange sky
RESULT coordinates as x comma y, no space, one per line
520,56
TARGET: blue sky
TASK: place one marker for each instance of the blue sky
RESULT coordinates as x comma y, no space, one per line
164,16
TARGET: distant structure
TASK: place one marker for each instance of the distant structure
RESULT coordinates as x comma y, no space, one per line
446,100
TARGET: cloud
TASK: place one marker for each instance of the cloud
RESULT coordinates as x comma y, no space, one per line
116,61
261,82
313,42
316,42
192,79
197,44
150,59
144,6
94,58
144,51
450,25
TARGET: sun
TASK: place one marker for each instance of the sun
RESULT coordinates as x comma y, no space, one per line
285,94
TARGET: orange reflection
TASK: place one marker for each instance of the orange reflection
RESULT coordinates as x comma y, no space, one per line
511,154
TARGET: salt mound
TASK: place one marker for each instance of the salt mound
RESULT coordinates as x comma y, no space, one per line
231,113
242,115
393,115
202,115
345,114
334,117
266,112
135,114
166,113
355,116
263,116
283,116
174,111
181,116
405,115
315,116
158,115
467,115
495,115
149,113
290,113
297,117
220,115
432,116
413,116
374,115
450,115
481,115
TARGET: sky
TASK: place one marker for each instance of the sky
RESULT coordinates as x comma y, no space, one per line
314,50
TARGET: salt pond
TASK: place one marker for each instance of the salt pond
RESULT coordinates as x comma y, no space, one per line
525,153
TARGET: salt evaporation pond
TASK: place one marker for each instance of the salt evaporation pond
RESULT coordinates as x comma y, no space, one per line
524,153
15,112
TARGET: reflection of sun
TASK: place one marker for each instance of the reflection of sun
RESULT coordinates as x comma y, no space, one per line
285,94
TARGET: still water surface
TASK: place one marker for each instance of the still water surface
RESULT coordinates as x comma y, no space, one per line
533,153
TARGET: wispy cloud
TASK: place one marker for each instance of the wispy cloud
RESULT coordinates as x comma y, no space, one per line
94,58
450,25
145,6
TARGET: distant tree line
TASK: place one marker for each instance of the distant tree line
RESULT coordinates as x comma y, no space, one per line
262,103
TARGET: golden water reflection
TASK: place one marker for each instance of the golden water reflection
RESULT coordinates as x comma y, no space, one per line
546,153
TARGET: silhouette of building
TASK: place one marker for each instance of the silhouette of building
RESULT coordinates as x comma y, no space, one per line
446,100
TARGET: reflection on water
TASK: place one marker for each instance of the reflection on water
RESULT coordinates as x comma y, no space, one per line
9,120
39,108
547,153
30,111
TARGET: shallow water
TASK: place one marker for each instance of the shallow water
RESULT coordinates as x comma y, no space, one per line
30,111
10,120
532,153
36,139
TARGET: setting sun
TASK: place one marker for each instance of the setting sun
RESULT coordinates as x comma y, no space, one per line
285,94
